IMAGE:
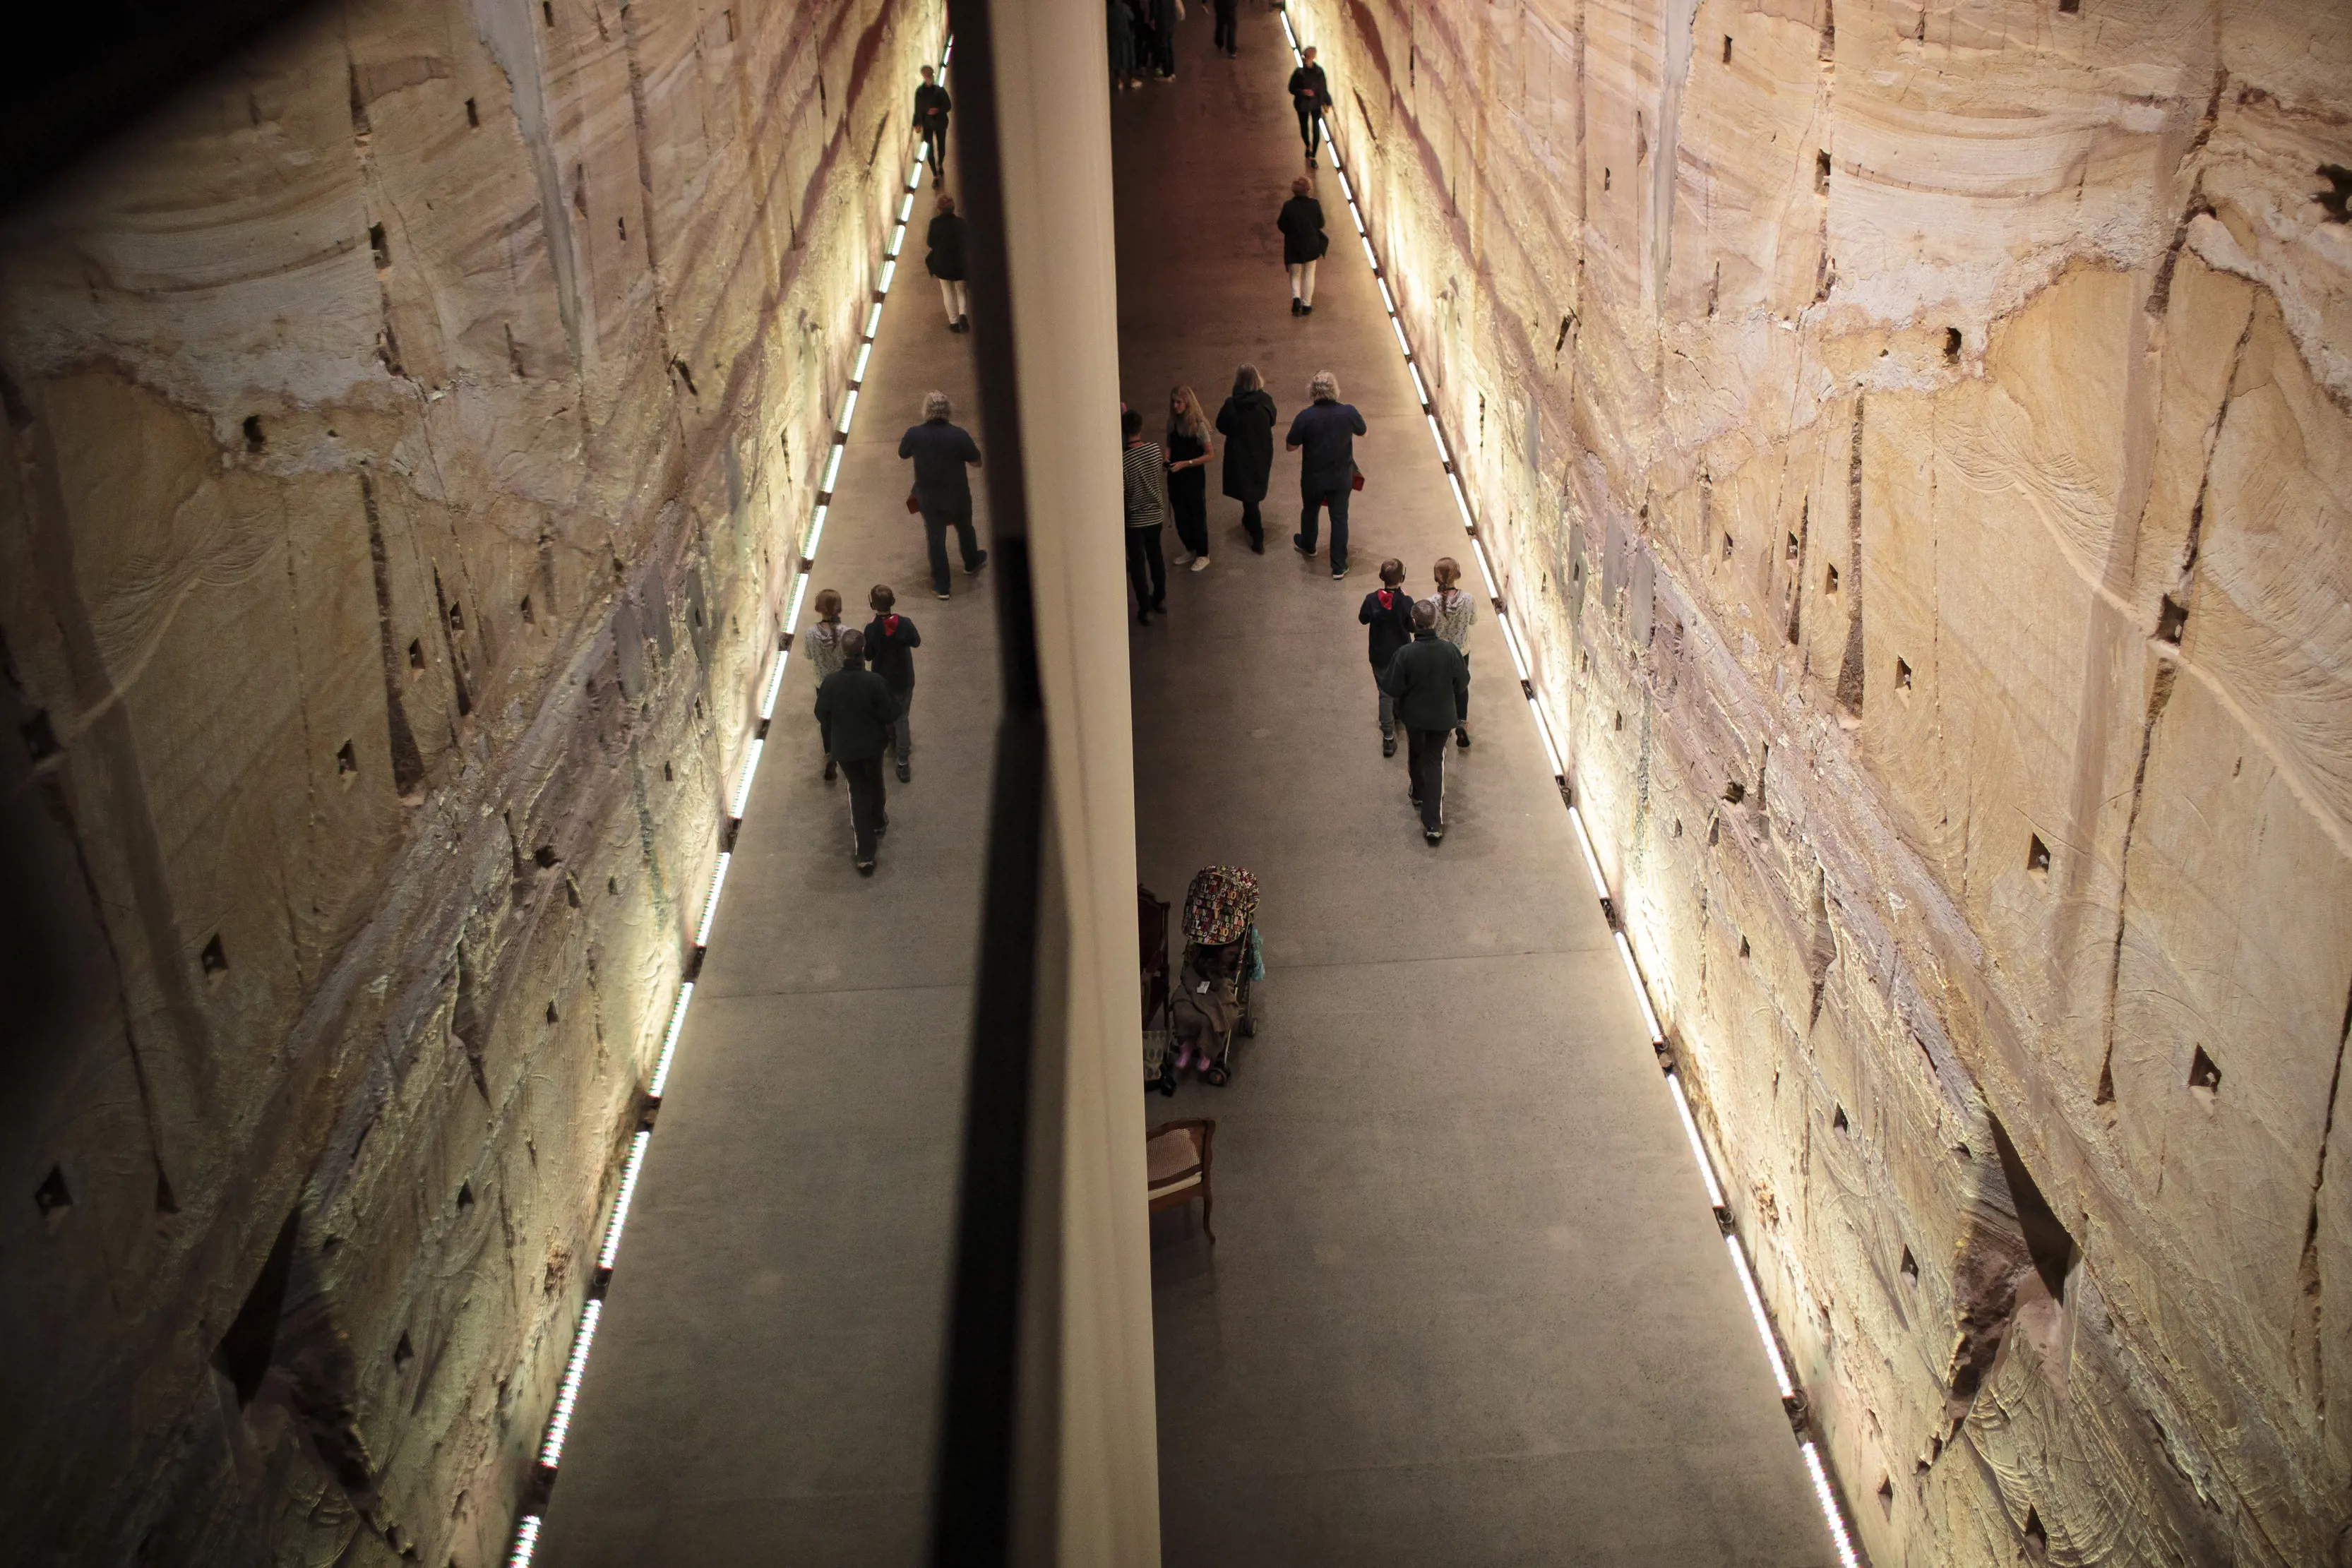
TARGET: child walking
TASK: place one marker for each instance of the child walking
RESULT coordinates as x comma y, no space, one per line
1455,611
821,648
891,642
1388,611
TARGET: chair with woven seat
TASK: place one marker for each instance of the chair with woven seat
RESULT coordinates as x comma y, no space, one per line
1176,1167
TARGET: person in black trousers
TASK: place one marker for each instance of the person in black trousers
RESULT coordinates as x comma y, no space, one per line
1311,95
1327,428
1303,243
890,642
1431,682
1388,611
855,713
932,105
1227,28
1246,421
1190,447
1163,37
943,259
1144,500
942,490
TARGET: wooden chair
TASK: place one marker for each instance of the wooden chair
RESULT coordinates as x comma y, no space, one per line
1176,1167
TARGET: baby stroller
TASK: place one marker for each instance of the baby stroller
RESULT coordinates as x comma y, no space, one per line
1221,960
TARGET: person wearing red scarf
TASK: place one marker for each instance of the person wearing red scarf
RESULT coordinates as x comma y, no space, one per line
1388,611
890,642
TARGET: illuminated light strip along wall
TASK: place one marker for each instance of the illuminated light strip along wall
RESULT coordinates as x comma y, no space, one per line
1824,1492
584,1337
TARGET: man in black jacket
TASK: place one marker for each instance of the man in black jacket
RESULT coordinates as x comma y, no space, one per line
1311,95
942,452
932,105
1327,429
1430,682
855,713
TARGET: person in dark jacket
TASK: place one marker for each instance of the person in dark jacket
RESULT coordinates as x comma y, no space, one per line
1163,37
1143,503
1190,447
1388,611
855,712
1227,26
1121,17
1303,243
1431,682
1311,95
943,258
942,490
932,105
1246,421
890,642
1325,429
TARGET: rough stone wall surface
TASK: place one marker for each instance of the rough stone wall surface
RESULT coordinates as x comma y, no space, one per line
1918,438
410,430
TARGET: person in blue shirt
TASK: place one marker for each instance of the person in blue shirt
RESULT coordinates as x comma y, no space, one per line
1326,431
942,490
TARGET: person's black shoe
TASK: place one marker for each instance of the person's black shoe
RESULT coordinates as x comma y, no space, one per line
1339,572
1434,835
1387,745
941,593
1258,545
1461,738
831,771
963,323
977,562
1302,546
903,775
1159,607
865,868
1310,160
1307,309
1143,616
1294,305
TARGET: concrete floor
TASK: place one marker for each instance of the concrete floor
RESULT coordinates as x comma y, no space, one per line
1467,1304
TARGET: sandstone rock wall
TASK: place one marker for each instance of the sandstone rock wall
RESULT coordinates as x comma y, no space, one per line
411,429
1920,436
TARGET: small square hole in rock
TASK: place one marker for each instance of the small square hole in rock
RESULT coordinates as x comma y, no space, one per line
347,760
2037,855
1901,676
2204,1072
214,960
1829,581
254,440
1952,343
52,1195
1910,1267
2171,620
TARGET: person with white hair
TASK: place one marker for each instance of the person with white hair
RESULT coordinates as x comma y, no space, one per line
942,490
1326,430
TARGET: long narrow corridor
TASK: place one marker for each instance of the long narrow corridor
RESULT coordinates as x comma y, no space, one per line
1467,1304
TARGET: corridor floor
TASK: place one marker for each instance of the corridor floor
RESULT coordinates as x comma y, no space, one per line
1467,1303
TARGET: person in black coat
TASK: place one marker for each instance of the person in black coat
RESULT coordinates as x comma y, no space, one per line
1163,37
1311,95
1303,243
933,105
1388,611
943,244
891,640
855,712
1227,24
1246,421
1431,682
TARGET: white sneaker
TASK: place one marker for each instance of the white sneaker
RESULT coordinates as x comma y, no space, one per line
1200,563
1184,557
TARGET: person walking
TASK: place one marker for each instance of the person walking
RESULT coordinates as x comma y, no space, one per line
943,259
1246,421
1303,243
1165,15
1227,27
1190,447
1432,688
854,709
1325,429
821,646
1122,19
890,641
1146,505
1455,611
932,105
1311,95
942,491
1388,611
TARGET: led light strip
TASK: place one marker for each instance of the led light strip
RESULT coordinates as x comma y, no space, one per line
1824,1492
575,1365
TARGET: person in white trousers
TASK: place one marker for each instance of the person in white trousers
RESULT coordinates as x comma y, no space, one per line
944,261
1303,243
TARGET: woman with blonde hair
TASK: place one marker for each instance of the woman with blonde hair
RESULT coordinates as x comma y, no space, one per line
1189,451
1246,421
1455,611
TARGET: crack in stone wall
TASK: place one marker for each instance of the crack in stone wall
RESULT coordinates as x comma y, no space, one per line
391,538
2012,999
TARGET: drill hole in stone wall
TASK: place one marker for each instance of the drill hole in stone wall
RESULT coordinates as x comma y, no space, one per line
473,116
402,1354
2171,620
1822,173
668,777
1726,48
2047,1240
254,440
40,736
243,1352
1909,1268
1617,721
1829,581
1902,678
1838,1123
1726,547
415,655
213,959
465,1195
528,616
1605,178
547,9
551,1015
2204,1072
2037,1538
456,616
1887,1495
380,245
1743,947
1735,791
53,1196
1952,345
1793,546
347,761
2037,856
544,856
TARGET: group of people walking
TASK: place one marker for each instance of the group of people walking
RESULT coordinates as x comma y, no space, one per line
862,712
1420,651
1142,35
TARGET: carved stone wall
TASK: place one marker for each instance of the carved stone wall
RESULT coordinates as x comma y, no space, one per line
410,430
1920,436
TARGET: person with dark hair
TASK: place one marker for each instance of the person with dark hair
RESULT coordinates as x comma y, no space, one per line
1388,611
1246,421
1431,684
1226,28
1327,429
890,642
942,490
855,711
943,259
1122,19
1164,16
1303,243
1190,447
932,107
1311,95
1145,502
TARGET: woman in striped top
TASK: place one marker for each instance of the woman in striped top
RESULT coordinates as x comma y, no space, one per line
1455,611
1146,505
